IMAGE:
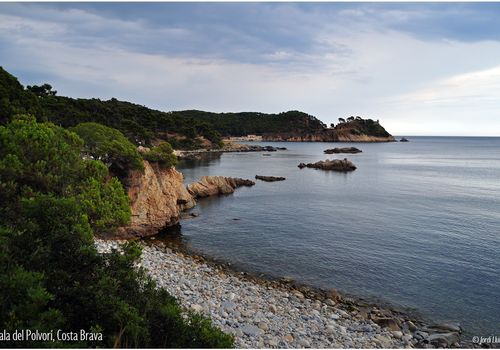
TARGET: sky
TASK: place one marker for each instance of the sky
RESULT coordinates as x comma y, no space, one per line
420,68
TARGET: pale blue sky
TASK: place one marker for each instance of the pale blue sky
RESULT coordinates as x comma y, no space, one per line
421,68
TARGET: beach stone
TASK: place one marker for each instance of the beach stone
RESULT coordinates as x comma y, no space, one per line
251,330
304,343
387,322
443,339
330,330
273,308
411,326
196,308
263,326
288,338
397,334
342,313
228,305
406,338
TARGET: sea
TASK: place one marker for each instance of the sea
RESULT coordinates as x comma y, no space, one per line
416,225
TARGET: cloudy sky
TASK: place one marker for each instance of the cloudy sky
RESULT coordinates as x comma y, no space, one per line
421,68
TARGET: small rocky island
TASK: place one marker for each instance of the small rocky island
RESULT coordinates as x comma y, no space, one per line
269,178
352,150
343,165
404,139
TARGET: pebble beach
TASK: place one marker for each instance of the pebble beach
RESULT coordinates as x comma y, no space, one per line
263,314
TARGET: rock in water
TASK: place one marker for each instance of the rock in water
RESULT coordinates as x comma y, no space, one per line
342,150
404,139
215,185
334,164
269,178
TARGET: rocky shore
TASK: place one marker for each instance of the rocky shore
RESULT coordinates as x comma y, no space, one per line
229,147
274,314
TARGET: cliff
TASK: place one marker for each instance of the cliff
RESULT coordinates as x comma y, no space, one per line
157,197
357,130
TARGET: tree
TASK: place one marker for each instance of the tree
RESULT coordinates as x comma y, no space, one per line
332,125
341,120
109,146
350,119
43,90
52,202
162,154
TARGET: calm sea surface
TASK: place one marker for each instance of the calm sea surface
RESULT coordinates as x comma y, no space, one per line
417,224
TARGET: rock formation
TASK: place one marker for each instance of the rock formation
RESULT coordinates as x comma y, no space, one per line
358,130
404,139
215,185
334,164
342,150
157,197
269,178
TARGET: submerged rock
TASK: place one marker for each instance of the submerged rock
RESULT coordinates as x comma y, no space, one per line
342,150
269,178
334,164
215,185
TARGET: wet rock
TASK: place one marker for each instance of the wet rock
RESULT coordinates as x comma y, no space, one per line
269,178
251,330
342,150
342,165
443,339
387,322
448,327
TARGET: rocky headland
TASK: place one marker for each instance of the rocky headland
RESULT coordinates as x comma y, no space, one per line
352,150
352,130
157,198
343,165
264,313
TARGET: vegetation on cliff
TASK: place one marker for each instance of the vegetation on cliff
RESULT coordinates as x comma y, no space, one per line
52,203
187,129
360,126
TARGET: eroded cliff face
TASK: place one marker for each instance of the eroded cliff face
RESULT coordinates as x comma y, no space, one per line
157,197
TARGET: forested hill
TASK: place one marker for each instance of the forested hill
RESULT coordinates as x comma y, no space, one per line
140,124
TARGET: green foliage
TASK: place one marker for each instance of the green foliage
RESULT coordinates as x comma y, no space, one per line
52,202
161,154
109,146
43,90
141,125
14,99
359,126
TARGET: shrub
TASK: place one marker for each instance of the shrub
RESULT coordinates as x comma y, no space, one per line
109,146
52,202
162,154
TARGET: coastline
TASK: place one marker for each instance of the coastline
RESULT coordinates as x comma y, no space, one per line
265,312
